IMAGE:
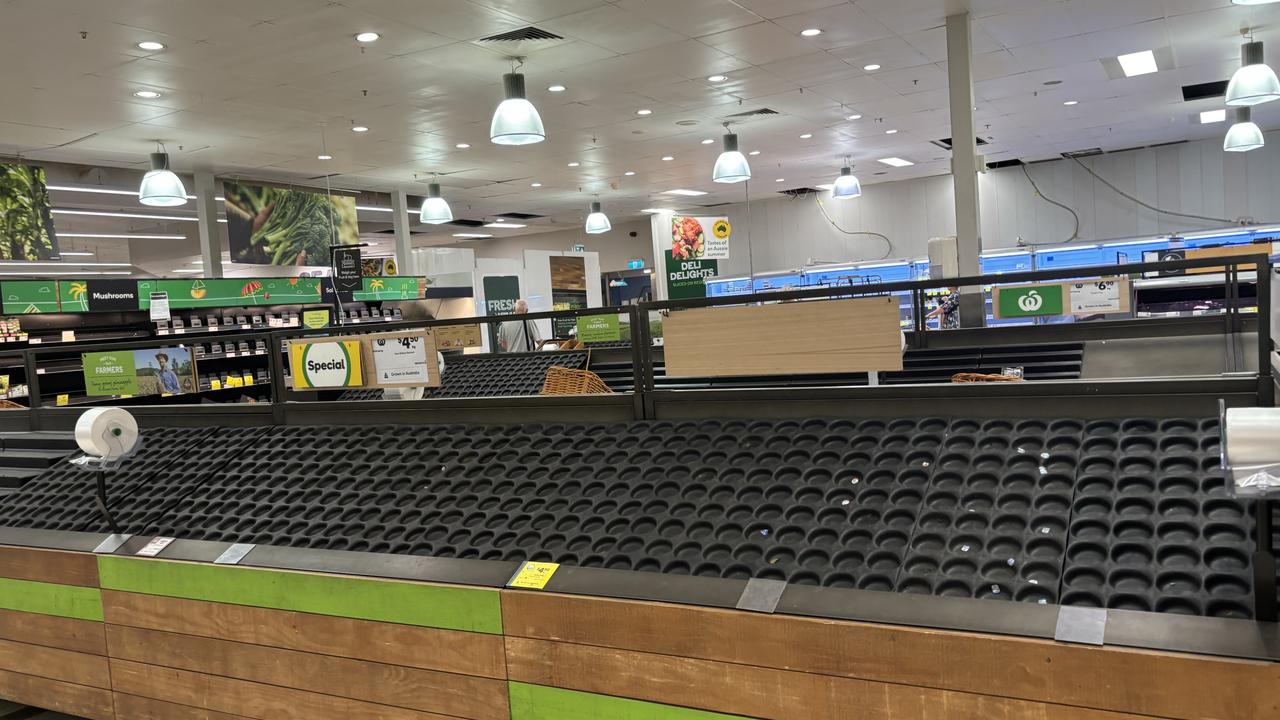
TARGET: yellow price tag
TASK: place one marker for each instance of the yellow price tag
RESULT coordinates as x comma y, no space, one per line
63,400
122,397
533,575
215,384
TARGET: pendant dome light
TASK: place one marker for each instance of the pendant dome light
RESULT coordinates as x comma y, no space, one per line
1245,135
846,186
597,221
1254,83
435,210
516,121
731,166
160,186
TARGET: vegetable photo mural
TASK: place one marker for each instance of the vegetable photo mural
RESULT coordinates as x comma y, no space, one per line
26,225
279,226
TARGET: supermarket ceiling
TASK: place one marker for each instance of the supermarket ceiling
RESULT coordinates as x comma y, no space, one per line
248,87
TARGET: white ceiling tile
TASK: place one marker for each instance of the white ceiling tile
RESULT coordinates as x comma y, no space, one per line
691,18
1031,25
760,43
778,8
841,25
612,28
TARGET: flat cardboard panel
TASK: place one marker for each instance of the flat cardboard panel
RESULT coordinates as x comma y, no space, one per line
395,601
69,698
447,693
1230,251
85,636
251,700
829,336
754,691
132,707
49,566
468,653
55,664
1120,680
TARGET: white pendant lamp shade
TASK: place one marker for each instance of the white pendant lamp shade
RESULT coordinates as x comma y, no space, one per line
160,186
731,166
1245,135
597,221
1254,83
846,186
516,121
435,211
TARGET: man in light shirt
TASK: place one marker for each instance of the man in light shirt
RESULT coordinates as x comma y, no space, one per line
519,335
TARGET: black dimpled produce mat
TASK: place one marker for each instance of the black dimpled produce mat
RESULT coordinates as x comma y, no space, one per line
500,375
1127,513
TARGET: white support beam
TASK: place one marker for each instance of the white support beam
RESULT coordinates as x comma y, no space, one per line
207,223
964,162
400,223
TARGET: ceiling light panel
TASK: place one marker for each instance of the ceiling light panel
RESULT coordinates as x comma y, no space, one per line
895,162
1139,63
684,193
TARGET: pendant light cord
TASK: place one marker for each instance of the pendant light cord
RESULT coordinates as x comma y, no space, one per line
887,242
1075,234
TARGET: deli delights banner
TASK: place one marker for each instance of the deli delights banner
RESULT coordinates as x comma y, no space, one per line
697,246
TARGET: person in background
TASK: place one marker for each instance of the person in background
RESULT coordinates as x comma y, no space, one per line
948,309
519,335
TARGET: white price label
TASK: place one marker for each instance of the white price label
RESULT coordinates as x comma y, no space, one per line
401,361
159,306
154,547
1102,296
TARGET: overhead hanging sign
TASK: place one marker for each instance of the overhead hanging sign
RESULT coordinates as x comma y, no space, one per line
328,363
27,219
700,238
282,226
98,295
346,269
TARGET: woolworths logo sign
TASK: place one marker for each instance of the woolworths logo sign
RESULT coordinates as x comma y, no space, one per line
1030,301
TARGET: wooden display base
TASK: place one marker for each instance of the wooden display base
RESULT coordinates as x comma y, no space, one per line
111,637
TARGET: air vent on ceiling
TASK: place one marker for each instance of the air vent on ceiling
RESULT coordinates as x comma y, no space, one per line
945,143
467,223
994,165
714,205
755,113
800,192
1201,91
1082,153
520,216
523,34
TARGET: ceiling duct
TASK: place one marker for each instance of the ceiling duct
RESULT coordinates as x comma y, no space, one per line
800,192
945,143
1082,153
519,216
754,113
1202,91
524,34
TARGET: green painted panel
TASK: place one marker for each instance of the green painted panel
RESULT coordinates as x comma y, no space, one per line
71,601
539,702
453,608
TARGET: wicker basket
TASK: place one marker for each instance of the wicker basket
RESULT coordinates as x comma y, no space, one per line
983,378
566,381
11,405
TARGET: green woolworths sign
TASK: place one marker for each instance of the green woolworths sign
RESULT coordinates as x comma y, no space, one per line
1030,301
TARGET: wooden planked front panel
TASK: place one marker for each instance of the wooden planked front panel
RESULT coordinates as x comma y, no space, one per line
1120,680
54,664
73,601
69,698
426,690
85,636
49,566
760,692
248,699
542,702
454,651
829,336
132,707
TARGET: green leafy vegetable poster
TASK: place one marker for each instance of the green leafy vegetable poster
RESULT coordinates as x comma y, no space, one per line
280,226
26,225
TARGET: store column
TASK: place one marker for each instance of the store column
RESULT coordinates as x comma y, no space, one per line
660,227
400,224
207,222
964,164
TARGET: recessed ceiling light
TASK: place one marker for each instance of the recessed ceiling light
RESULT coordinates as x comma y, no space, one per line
1212,116
463,146
685,193
182,270
1139,63
501,224
811,32
890,132
717,78
855,116
753,153
359,128
668,158
1253,2
644,111
472,235
147,94
556,88
367,37
629,173
707,141
138,216
575,164
151,45
324,157
896,162
535,185
68,253
806,136
1070,103
871,68
121,236
780,180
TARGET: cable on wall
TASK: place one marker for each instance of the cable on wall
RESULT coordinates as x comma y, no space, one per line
1148,206
1075,234
888,244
